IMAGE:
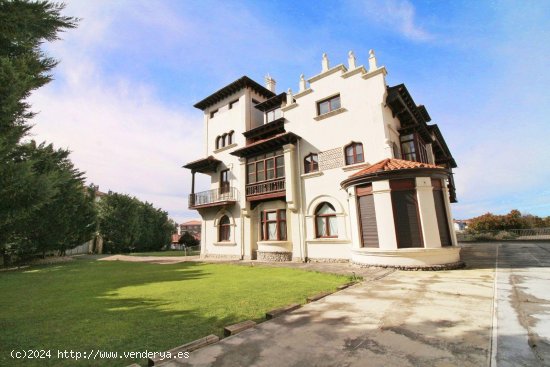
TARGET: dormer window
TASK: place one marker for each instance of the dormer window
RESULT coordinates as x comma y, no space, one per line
273,115
328,105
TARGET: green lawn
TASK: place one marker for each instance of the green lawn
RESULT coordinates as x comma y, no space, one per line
121,306
166,253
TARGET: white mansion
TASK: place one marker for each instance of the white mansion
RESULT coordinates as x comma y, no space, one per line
346,169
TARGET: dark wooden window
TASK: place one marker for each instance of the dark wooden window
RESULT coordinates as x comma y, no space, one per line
413,148
218,142
325,221
327,105
265,167
224,229
405,213
273,225
354,153
233,104
367,216
273,115
213,114
441,213
224,137
230,137
311,163
224,181
396,153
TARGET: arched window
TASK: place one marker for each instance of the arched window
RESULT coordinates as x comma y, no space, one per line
224,229
218,141
354,153
325,221
311,163
230,138
224,136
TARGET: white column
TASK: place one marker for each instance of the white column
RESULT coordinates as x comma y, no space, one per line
384,215
355,228
290,177
448,212
426,208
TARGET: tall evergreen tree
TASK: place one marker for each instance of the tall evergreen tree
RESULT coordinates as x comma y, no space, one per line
24,26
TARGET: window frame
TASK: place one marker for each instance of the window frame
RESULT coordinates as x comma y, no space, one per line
330,101
264,222
312,166
274,112
354,146
419,153
276,156
224,184
224,229
326,220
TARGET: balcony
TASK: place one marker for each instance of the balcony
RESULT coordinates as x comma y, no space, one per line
266,189
212,198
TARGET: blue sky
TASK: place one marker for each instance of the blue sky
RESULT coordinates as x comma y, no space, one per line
129,74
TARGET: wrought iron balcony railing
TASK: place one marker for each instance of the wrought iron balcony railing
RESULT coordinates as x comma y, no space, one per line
220,196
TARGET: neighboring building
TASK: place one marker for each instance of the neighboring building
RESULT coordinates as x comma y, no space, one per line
460,225
347,169
192,226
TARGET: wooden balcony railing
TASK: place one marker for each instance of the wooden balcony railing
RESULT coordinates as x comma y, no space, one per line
220,196
266,187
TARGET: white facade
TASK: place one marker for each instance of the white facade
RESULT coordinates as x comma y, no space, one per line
244,217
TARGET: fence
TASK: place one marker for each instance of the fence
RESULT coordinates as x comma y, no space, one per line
530,234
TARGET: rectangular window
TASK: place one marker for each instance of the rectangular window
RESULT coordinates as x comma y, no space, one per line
273,115
224,181
273,225
213,114
413,148
234,104
265,167
367,217
328,105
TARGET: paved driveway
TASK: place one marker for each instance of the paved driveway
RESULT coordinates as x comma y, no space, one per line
447,318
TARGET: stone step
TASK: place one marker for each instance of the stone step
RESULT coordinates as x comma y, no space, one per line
237,328
189,347
318,297
279,311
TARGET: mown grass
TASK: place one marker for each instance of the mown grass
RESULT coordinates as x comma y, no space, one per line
121,306
166,253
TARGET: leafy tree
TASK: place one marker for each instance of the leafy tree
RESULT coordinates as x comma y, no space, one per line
127,224
188,240
24,67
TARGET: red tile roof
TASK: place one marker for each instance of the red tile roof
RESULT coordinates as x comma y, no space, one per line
392,164
191,223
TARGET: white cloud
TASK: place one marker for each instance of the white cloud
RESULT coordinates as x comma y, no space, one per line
119,130
396,15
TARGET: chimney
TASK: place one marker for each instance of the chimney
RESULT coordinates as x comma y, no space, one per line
270,83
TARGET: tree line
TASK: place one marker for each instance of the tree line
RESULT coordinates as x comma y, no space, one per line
44,203
512,220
